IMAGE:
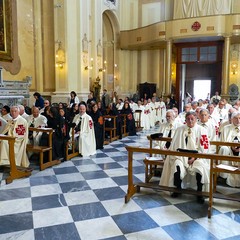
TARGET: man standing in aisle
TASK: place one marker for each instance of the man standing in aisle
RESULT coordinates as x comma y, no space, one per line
105,99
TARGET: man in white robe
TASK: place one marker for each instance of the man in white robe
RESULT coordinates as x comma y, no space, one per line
17,128
3,123
231,133
36,120
167,129
182,115
22,112
84,127
178,170
161,111
146,116
209,126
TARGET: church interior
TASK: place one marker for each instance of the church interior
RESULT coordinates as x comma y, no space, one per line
125,46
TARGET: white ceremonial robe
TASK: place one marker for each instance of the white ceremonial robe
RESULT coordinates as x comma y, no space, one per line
7,117
146,117
152,114
229,132
161,112
38,122
16,128
182,117
198,140
165,129
212,133
86,140
3,123
25,115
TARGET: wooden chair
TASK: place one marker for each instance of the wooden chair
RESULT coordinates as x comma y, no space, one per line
15,171
153,163
43,149
124,124
111,130
137,117
71,146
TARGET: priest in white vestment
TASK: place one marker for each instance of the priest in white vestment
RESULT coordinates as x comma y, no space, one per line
167,129
183,171
3,123
84,127
209,126
17,128
36,120
231,133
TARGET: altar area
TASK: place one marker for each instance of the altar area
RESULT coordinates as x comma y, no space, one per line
15,92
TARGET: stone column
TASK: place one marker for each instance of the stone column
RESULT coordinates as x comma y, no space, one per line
226,62
168,73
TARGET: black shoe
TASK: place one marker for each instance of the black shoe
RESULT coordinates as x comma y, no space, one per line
200,199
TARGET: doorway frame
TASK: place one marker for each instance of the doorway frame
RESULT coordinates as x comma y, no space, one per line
179,63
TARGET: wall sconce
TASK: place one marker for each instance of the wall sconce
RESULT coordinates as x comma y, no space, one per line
234,67
104,67
60,56
91,65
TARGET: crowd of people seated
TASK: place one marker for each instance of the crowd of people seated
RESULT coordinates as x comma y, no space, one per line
199,123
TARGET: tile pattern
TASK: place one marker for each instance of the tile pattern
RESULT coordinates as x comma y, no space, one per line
84,199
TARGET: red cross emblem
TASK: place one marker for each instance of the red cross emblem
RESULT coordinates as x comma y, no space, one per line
217,132
20,130
196,26
90,124
204,141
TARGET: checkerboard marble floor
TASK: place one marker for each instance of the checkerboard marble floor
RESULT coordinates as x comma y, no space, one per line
84,199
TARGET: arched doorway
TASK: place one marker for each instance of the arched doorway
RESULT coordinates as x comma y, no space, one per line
111,30
198,61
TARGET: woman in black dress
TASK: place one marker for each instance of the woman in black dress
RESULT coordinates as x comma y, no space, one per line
98,125
130,121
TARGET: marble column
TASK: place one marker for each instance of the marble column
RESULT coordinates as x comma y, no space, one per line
168,80
226,62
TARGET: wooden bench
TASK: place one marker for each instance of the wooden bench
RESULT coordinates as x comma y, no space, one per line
135,187
71,146
111,130
43,149
15,171
150,162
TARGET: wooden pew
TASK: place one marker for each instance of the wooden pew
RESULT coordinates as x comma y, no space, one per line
71,146
15,171
124,124
43,149
135,187
111,130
